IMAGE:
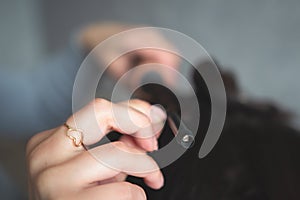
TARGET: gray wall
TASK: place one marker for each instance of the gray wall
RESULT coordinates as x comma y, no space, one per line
21,36
259,39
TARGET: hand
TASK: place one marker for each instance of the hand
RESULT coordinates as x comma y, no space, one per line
94,34
60,170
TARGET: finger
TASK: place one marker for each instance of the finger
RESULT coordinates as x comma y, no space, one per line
61,148
52,148
156,113
145,108
138,104
130,142
112,191
101,117
107,161
37,139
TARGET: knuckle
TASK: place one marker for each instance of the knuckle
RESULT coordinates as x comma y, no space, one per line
99,102
29,145
32,142
33,154
102,107
35,160
35,141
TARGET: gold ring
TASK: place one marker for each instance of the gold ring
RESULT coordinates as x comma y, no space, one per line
76,135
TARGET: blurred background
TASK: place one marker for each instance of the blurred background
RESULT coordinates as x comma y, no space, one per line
258,40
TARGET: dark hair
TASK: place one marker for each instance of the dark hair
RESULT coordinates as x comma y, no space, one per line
256,157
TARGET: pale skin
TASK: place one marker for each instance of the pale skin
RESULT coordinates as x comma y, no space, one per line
94,34
59,170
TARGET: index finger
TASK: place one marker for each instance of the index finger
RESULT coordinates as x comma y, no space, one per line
101,117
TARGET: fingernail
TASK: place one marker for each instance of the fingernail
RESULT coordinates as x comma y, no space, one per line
157,114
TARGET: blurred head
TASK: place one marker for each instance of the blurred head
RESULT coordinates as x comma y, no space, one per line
246,163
